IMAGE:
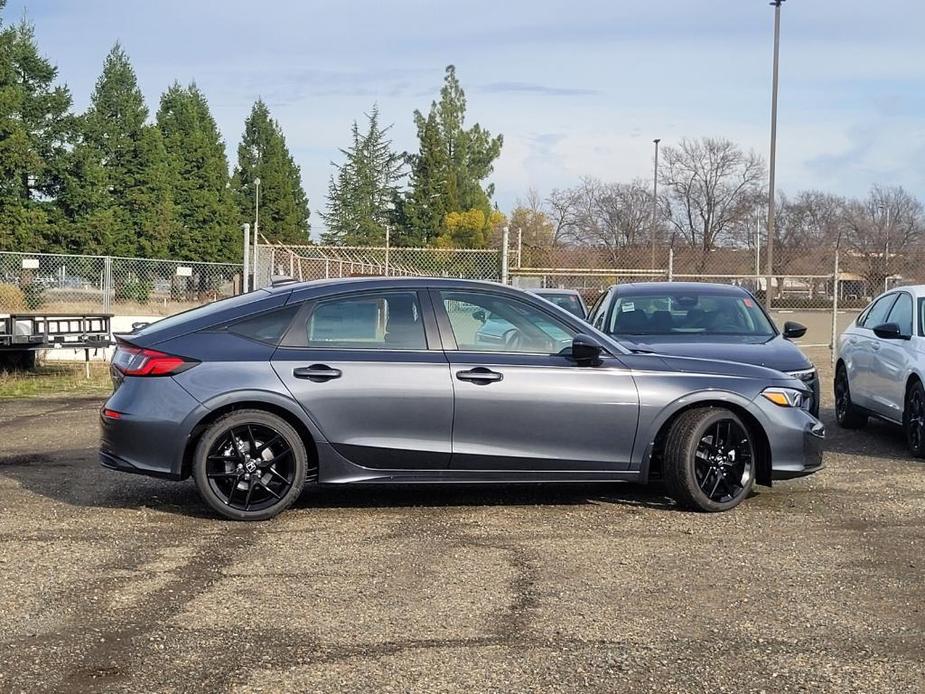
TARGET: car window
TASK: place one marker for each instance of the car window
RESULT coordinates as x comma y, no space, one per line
901,314
877,313
266,327
388,320
493,323
598,310
689,313
569,302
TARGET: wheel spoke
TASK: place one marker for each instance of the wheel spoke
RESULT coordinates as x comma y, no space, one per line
266,444
250,490
234,488
260,482
222,475
276,474
275,459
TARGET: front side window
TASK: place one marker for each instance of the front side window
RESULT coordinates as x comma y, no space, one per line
901,314
692,313
389,320
569,302
492,323
877,313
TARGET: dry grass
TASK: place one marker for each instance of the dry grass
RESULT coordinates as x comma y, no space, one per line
55,379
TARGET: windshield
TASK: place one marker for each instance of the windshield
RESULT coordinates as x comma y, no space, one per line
689,314
569,302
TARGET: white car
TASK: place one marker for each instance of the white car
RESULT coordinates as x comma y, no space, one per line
881,366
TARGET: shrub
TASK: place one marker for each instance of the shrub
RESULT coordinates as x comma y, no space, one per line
34,294
11,298
134,290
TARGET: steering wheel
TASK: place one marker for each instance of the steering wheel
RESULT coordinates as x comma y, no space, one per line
513,339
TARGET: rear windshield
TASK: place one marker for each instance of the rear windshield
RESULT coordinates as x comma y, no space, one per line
204,311
569,302
693,314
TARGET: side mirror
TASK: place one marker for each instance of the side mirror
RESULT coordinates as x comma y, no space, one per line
794,330
479,316
889,331
586,350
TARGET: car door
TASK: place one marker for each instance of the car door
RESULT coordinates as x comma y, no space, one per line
891,360
860,348
367,367
520,404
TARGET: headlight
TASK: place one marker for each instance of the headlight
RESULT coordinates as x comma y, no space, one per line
805,375
784,397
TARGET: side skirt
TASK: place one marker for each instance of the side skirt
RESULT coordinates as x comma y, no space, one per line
334,469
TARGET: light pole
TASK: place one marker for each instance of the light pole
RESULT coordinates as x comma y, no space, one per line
773,158
655,200
886,255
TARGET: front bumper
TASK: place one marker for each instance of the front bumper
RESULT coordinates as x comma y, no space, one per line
796,439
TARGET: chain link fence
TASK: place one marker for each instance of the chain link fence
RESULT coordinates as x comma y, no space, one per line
54,283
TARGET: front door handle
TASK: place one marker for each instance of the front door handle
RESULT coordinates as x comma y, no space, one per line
316,372
480,376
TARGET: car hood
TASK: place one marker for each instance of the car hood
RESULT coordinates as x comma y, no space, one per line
774,353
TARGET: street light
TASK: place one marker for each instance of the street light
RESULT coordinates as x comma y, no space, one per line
885,209
773,159
655,200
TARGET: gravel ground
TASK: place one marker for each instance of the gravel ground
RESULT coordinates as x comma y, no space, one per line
120,583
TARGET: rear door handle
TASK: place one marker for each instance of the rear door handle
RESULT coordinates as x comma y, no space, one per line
480,375
316,372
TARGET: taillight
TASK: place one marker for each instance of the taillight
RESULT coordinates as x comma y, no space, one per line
138,361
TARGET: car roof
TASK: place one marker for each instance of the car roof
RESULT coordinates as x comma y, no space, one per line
644,288
378,282
551,290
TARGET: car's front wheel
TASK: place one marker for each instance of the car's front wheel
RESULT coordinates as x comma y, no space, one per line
709,461
914,419
250,465
847,413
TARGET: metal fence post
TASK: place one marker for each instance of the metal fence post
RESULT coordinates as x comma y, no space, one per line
504,258
833,345
671,264
107,284
247,244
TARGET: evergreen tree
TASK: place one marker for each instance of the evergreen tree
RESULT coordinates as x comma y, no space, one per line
362,196
119,192
449,167
198,169
35,128
283,204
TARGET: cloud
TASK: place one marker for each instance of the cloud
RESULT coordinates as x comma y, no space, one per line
531,88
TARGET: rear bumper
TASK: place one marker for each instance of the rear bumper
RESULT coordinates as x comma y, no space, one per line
114,462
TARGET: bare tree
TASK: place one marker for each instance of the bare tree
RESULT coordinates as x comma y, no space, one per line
810,220
710,186
881,229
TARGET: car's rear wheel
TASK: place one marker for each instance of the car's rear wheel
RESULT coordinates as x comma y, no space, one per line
250,465
914,419
709,462
847,413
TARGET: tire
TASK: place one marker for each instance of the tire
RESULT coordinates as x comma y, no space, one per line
250,465
847,414
709,461
914,420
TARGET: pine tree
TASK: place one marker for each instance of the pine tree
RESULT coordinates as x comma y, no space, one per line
198,171
284,213
35,128
119,193
449,167
362,196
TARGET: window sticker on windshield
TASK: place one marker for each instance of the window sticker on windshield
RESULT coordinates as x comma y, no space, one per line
748,302
628,306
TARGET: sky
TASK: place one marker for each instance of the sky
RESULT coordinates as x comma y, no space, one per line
577,88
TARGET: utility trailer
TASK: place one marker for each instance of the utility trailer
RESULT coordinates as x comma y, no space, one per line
23,334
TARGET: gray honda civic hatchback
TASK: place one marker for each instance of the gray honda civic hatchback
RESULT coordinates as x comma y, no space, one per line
385,380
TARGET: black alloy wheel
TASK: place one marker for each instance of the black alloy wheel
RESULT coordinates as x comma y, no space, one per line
250,465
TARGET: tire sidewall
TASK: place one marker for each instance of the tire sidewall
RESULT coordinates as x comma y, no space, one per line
239,418
918,451
702,500
842,416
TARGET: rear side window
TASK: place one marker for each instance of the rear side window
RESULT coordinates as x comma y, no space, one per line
877,313
901,314
266,327
388,320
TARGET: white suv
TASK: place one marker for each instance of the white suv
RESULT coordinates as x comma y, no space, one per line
881,366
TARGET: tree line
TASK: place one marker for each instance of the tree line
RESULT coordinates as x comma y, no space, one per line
713,194
114,181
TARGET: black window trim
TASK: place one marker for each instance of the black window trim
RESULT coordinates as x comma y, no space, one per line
863,319
291,339
900,293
